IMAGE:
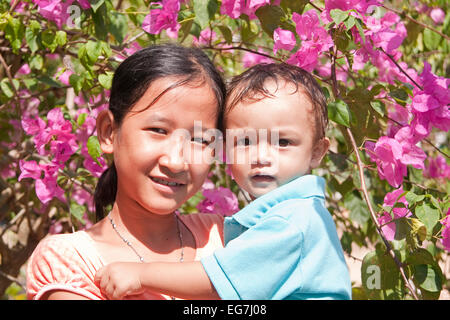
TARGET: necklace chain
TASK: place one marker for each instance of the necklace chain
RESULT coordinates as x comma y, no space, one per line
141,259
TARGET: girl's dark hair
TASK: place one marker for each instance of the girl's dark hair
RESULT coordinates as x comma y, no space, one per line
251,86
134,76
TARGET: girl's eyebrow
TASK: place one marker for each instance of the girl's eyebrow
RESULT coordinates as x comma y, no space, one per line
157,117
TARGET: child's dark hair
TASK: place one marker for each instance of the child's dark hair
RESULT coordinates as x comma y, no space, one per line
251,85
190,66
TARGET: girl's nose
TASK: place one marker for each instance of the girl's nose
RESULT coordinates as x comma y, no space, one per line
173,156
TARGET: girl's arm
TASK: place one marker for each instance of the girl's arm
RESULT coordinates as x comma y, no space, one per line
186,280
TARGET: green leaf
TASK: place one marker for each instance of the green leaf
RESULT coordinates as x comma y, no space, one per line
6,87
77,211
93,50
339,112
431,39
204,11
61,38
427,215
294,5
379,107
76,82
399,95
412,198
36,62
428,277
338,16
81,119
48,39
118,26
106,80
94,149
95,4
227,34
359,212
271,18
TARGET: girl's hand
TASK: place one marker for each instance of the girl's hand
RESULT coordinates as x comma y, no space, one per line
120,279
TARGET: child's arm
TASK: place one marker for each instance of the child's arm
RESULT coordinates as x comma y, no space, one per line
187,280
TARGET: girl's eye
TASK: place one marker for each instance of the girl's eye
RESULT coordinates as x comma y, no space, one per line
200,140
283,142
158,130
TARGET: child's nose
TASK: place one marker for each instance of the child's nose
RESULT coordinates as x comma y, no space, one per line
263,154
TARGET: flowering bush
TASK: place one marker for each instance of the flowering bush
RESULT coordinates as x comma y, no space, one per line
382,65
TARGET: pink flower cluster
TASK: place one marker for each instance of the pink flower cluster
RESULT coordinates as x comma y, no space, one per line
390,200
58,10
446,232
164,18
234,8
315,40
55,140
218,200
429,107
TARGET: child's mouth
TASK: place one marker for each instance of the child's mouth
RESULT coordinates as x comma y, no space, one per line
262,178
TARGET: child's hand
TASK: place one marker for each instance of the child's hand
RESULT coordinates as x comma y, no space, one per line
120,279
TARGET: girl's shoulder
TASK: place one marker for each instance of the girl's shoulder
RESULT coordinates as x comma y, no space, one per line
207,230
62,261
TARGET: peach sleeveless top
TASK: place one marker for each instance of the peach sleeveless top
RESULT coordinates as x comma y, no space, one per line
69,262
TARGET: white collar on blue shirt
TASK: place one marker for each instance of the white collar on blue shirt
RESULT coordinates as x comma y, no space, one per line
303,187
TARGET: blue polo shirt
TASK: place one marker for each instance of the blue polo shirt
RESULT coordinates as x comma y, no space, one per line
283,245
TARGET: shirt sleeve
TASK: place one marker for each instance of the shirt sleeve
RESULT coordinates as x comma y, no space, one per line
256,264
56,265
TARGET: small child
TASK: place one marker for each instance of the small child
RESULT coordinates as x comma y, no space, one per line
284,244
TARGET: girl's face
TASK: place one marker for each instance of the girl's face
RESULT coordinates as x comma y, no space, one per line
153,171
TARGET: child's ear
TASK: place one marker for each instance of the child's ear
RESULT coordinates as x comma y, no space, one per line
105,131
319,151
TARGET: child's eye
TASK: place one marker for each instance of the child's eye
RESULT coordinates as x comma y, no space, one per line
283,142
243,142
157,130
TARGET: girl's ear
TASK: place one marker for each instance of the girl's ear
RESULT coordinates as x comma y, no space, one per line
319,151
105,131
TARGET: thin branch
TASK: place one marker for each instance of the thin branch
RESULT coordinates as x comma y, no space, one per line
401,13
12,279
360,165
400,68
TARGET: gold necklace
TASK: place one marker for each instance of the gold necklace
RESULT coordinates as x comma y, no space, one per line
141,259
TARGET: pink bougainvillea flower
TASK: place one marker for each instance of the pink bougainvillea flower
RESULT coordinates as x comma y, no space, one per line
84,4
306,57
33,126
424,102
446,232
390,200
47,188
24,69
306,24
387,153
206,37
64,77
437,15
232,8
29,169
437,168
54,10
218,200
250,59
162,18
283,39
411,154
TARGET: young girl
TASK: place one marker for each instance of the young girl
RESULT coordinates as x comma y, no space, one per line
155,93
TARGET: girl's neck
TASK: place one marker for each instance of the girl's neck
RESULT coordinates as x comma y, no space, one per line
148,228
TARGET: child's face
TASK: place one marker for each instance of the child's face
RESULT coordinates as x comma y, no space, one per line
270,164
148,151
